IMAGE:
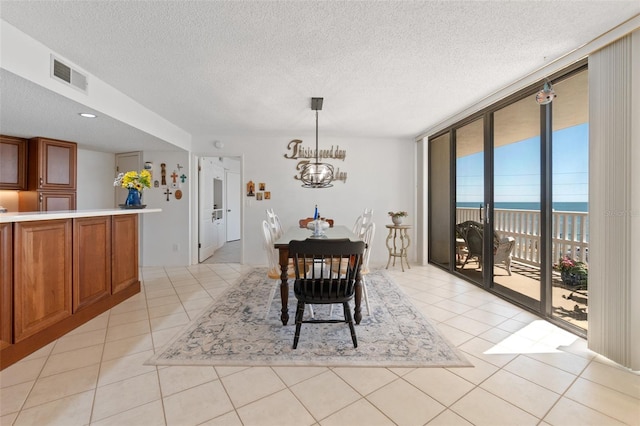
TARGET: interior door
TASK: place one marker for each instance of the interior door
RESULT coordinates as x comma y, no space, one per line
207,233
232,181
125,162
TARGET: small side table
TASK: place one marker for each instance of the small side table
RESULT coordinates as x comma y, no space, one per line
396,231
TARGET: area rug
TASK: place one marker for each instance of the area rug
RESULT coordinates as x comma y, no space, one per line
243,328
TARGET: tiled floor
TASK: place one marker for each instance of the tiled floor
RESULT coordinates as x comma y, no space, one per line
526,371
228,253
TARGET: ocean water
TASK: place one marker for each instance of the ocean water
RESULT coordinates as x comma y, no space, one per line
559,206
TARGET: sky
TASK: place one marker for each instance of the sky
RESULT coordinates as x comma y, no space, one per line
517,170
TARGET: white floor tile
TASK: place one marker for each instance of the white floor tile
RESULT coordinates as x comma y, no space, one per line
404,404
121,396
480,407
521,366
67,411
197,405
279,409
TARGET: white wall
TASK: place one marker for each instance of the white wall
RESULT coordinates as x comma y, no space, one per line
380,175
165,235
95,180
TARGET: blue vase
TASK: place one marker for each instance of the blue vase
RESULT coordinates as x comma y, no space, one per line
133,199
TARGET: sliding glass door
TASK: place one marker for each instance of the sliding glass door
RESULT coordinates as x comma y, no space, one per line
515,213
470,200
440,201
508,200
570,222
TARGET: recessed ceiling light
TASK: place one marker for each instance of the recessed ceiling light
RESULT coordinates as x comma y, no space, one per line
87,115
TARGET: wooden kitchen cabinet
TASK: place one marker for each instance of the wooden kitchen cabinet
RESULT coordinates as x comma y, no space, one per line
124,248
61,270
92,260
51,176
46,201
42,275
13,163
52,164
6,284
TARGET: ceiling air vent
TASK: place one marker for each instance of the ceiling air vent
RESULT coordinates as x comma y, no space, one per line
63,72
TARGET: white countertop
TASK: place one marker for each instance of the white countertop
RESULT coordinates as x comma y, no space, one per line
66,214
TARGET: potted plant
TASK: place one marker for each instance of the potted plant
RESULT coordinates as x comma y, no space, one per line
572,272
134,182
396,217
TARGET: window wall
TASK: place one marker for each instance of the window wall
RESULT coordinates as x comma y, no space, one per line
516,174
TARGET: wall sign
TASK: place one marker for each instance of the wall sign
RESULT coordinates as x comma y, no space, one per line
306,155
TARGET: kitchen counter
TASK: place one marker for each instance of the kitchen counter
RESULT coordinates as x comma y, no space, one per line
61,269
68,214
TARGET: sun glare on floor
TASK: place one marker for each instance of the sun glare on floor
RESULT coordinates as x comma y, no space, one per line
537,337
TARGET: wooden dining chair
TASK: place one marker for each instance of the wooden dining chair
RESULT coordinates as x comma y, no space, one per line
304,222
320,285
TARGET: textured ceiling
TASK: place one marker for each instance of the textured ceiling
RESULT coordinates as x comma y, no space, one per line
386,69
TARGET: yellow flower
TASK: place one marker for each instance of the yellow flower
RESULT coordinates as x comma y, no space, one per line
133,179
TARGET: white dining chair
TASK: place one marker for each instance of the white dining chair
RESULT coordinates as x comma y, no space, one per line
274,223
365,218
367,235
274,265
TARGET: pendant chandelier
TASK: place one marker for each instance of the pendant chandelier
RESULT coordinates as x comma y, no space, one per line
316,175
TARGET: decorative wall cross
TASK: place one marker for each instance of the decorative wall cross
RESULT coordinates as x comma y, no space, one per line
167,193
183,177
174,175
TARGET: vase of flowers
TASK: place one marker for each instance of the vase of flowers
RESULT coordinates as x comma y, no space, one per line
396,217
572,272
135,182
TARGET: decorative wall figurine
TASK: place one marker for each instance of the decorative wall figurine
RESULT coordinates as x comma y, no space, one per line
178,194
261,186
156,183
259,196
163,173
251,189
267,195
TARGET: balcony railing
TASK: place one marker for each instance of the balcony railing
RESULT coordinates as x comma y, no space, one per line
570,233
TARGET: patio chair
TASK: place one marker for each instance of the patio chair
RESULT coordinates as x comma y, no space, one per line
472,232
320,286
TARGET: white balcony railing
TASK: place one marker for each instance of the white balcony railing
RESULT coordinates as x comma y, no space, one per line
570,233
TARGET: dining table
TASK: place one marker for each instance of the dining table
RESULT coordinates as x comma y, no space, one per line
300,234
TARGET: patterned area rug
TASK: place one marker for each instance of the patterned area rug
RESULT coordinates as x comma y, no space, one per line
242,327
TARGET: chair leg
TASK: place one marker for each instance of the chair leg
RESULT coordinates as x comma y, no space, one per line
366,295
313,315
349,319
508,262
299,314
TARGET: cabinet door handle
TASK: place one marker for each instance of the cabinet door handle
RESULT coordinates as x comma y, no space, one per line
41,181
